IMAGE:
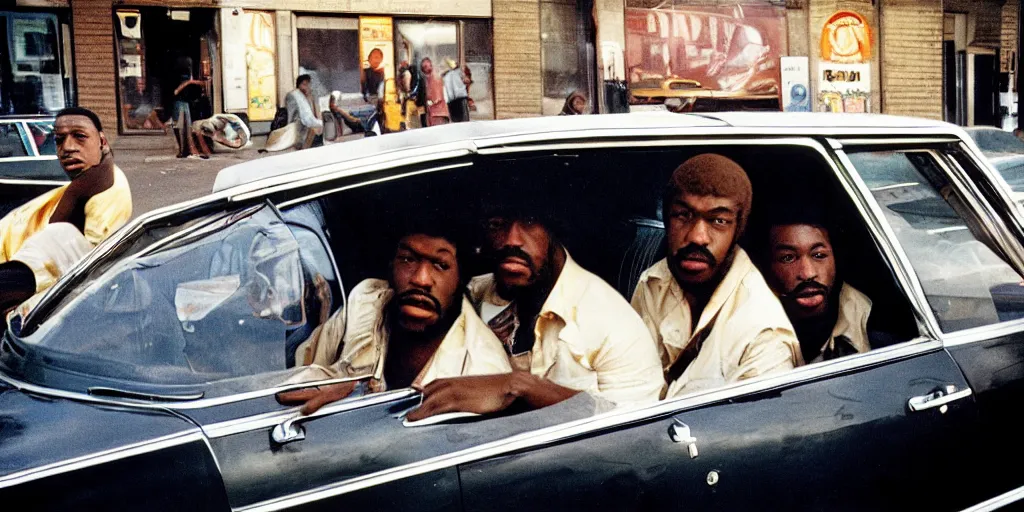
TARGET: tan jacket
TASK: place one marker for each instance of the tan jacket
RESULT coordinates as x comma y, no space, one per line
469,348
586,338
746,332
851,331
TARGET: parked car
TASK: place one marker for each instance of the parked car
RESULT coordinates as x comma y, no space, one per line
146,378
1004,151
28,160
683,95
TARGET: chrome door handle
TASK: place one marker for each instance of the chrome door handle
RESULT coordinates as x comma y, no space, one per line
679,432
938,398
289,430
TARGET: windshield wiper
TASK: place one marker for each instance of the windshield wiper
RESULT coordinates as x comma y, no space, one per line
136,395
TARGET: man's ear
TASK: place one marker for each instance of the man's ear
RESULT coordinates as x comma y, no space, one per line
104,145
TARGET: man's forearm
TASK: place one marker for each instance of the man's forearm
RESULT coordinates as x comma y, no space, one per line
539,392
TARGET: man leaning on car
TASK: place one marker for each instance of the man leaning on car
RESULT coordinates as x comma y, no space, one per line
713,316
71,219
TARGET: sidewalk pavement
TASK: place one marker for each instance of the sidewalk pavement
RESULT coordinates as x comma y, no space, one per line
157,178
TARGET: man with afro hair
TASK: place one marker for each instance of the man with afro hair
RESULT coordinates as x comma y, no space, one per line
708,308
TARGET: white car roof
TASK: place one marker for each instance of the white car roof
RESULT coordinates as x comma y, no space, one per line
482,134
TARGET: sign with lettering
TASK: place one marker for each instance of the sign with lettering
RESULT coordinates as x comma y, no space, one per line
844,87
796,88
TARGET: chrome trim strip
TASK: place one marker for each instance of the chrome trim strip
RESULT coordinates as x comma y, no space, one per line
31,139
198,404
270,419
16,181
603,421
1007,498
322,193
984,333
896,141
897,185
30,158
894,252
93,459
768,141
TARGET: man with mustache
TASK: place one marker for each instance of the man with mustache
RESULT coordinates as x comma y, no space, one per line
95,203
566,331
713,316
407,331
830,316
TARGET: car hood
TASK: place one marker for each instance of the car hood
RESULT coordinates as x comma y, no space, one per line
38,431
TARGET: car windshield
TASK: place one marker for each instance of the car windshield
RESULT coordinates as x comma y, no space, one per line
219,303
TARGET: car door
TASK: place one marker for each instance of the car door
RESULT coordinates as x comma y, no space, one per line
870,431
992,355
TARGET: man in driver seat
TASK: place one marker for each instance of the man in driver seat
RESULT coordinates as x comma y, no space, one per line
407,331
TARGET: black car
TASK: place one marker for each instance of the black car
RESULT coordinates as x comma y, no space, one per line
28,160
146,378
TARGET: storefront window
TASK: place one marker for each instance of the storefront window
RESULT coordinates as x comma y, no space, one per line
680,49
157,50
329,53
567,52
32,80
478,44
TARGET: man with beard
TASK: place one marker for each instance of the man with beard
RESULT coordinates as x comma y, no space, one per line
89,209
407,331
830,316
713,316
565,329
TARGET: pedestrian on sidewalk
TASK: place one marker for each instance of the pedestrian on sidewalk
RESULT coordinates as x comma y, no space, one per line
437,107
575,104
456,89
189,91
302,110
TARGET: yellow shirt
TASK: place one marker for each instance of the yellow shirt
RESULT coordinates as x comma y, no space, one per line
850,334
469,347
104,213
587,338
745,331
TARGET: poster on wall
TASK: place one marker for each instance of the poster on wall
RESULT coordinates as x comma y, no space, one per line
734,48
260,62
844,87
796,96
377,33
844,73
249,70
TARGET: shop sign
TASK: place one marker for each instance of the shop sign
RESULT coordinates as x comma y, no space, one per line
844,87
377,32
796,88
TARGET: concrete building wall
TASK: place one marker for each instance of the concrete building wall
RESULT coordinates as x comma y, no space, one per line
911,46
518,83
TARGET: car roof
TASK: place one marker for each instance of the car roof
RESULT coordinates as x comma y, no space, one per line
482,134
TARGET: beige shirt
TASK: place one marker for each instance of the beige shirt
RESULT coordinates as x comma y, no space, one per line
745,331
586,337
850,334
469,347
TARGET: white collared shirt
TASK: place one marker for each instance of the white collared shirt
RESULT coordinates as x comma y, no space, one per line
745,331
586,337
851,327
469,347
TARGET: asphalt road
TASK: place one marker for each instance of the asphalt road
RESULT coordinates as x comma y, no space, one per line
159,180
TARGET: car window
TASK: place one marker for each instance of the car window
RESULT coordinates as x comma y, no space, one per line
220,306
967,282
42,133
991,140
12,144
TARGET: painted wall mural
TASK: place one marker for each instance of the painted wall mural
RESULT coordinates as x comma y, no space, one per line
844,73
725,48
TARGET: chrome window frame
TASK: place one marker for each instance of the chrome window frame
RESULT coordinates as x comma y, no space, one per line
959,178
851,183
